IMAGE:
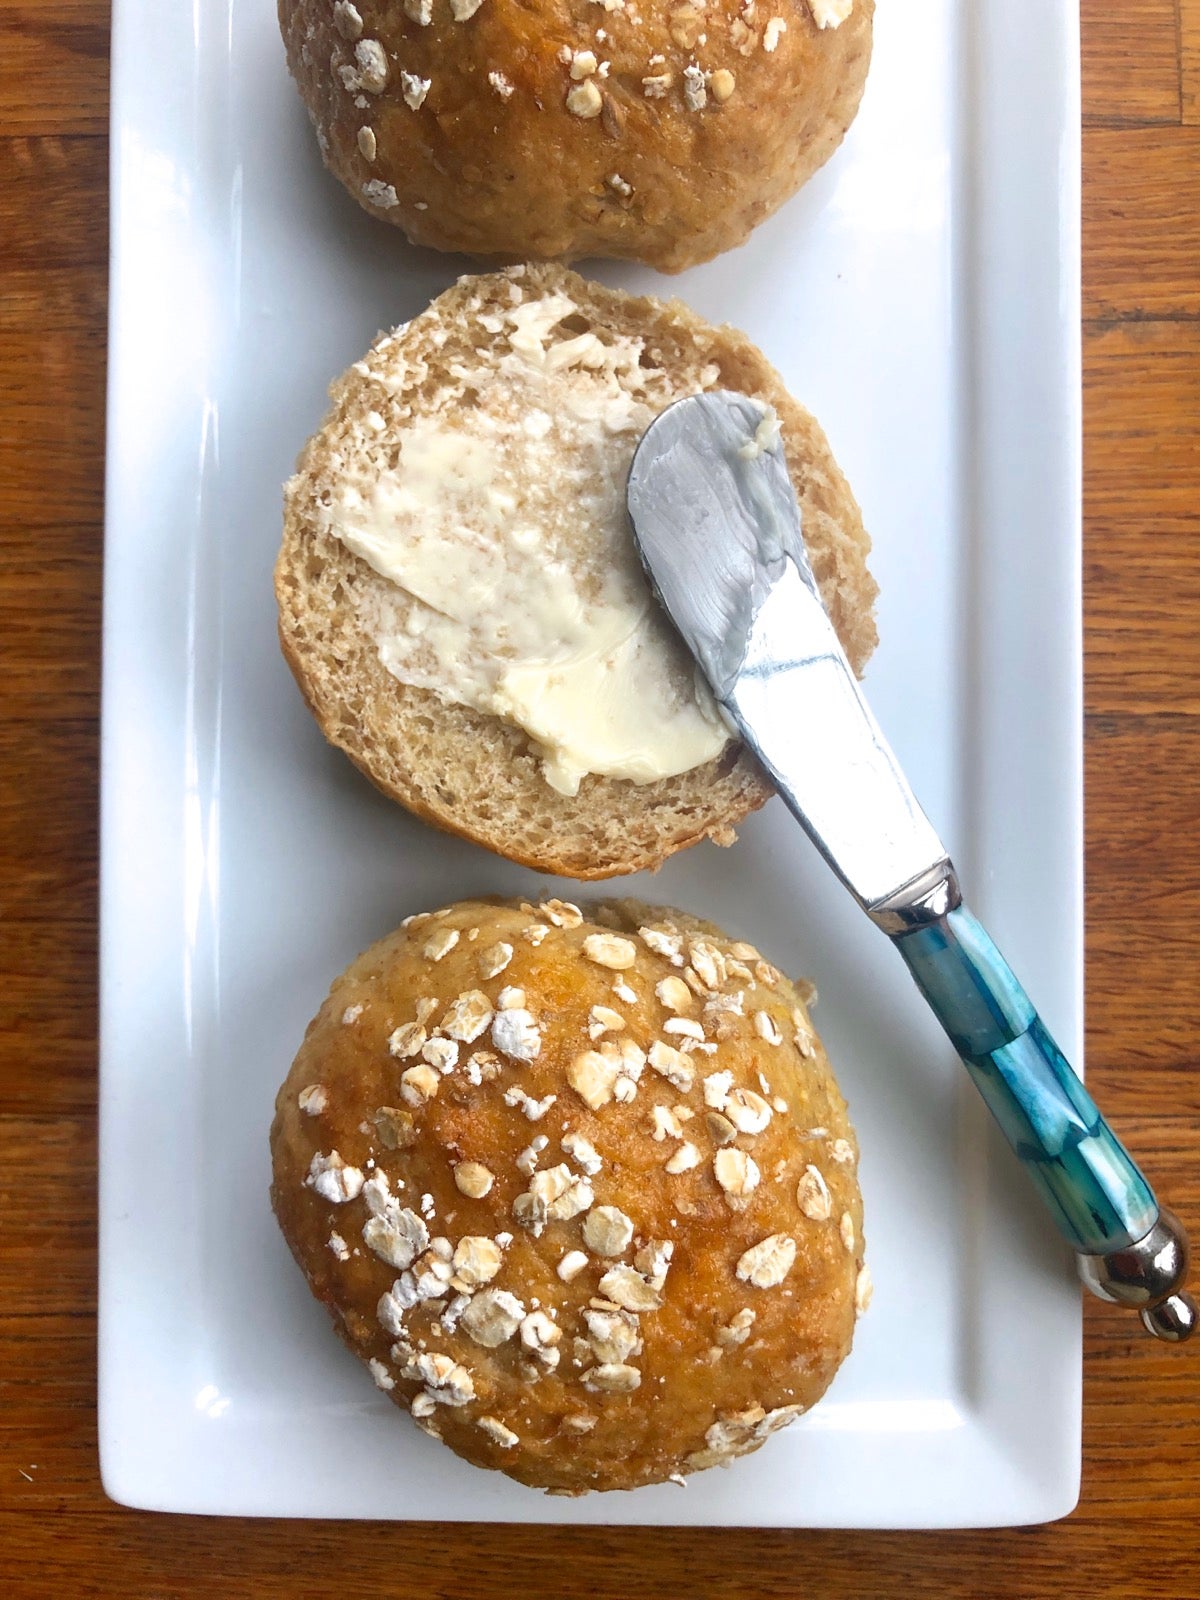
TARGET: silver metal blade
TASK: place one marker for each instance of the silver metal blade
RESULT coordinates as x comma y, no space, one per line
718,528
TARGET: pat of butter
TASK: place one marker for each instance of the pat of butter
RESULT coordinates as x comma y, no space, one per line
514,586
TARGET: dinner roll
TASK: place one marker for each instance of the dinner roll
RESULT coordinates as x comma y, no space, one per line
460,598
663,131
580,1189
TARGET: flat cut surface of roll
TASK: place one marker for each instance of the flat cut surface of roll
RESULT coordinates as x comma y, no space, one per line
459,595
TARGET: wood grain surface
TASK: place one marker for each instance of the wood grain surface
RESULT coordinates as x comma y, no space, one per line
1135,1533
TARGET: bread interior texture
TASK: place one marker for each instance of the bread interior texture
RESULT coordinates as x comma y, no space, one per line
460,599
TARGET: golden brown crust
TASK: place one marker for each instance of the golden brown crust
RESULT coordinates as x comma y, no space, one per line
494,791
580,1389
459,132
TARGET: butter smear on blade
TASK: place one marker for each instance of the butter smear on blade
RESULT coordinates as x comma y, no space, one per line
516,588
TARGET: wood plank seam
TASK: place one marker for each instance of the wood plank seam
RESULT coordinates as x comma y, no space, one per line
1188,14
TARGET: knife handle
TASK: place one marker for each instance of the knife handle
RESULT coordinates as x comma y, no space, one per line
1128,1250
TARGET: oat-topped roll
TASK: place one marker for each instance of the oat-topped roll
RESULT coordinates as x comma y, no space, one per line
580,1191
662,130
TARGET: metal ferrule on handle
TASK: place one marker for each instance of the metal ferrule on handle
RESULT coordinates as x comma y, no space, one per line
1129,1251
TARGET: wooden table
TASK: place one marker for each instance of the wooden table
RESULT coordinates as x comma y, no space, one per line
1135,1533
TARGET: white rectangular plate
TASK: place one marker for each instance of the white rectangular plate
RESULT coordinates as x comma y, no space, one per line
921,296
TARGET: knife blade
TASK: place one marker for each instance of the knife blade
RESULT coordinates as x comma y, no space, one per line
747,605
719,530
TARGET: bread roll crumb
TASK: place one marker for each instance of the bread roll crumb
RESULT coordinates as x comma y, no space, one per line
464,770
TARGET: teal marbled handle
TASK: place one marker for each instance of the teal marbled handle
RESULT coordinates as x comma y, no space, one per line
1096,1194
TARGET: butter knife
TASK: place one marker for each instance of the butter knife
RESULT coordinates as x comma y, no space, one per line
718,528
